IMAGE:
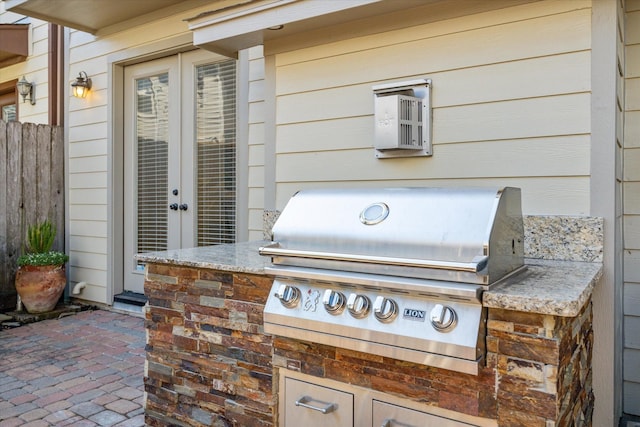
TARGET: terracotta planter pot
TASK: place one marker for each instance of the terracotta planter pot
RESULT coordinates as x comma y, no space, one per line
40,287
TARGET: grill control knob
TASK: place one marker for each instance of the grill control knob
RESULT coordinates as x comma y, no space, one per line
358,305
333,301
385,309
443,318
288,295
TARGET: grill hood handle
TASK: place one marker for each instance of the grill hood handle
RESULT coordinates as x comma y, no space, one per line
478,263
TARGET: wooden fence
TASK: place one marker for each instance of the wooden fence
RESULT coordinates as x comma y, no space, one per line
31,190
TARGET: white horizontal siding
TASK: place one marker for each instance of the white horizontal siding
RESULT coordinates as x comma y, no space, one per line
631,337
632,61
256,155
89,145
88,132
632,294
526,118
256,142
88,212
88,228
632,129
95,277
87,116
544,27
91,196
89,244
87,180
632,99
632,198
559,156
86,148
511,104
326,135
256,177
87,164
631,209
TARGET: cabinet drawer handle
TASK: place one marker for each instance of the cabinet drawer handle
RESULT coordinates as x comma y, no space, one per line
387,423
327,409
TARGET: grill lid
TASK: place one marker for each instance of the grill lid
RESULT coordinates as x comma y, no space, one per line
472,235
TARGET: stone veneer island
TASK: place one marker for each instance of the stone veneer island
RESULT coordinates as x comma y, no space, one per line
209,362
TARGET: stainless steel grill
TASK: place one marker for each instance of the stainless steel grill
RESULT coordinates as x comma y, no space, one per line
397,272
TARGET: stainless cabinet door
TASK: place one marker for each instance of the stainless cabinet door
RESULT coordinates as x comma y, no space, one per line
311,405
388,415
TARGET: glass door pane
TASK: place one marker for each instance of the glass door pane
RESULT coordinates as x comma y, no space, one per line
152,137
216,152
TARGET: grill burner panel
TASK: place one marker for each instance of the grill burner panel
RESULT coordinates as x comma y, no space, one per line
409,336
395,272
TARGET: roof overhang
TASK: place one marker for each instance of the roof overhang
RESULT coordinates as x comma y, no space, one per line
14,43
233,25
245,24
93,16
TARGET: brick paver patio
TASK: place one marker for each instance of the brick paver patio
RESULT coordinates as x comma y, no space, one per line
80,370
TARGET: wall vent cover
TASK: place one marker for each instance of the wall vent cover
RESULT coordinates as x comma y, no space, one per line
398,123
403,119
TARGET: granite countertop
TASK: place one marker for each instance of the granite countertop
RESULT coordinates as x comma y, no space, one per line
559,288
238,257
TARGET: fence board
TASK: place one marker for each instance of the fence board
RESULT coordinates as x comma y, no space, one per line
56,207
4,265
29,176
12,209
43,172
31,190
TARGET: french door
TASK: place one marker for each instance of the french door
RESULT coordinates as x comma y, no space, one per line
179,156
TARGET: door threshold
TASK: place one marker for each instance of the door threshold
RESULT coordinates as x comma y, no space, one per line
130,298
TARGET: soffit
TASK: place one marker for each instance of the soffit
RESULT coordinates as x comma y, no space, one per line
14,43
93,16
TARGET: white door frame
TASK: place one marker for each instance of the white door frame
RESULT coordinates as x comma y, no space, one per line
115,168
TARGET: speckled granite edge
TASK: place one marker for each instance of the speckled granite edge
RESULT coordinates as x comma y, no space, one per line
566,238
238,257
559,288
268,219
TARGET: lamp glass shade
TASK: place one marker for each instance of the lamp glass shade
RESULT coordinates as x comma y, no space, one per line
24,87
79,91
81,86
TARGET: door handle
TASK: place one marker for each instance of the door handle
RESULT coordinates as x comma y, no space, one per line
173,206
327,409
184,207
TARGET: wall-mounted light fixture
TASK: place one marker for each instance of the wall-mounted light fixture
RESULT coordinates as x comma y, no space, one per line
27,89
81,86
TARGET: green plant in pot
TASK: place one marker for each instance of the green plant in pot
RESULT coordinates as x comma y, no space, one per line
41,278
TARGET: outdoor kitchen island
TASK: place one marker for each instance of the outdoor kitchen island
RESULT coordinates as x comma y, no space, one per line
209,362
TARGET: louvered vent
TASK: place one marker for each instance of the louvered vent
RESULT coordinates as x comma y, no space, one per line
398,123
